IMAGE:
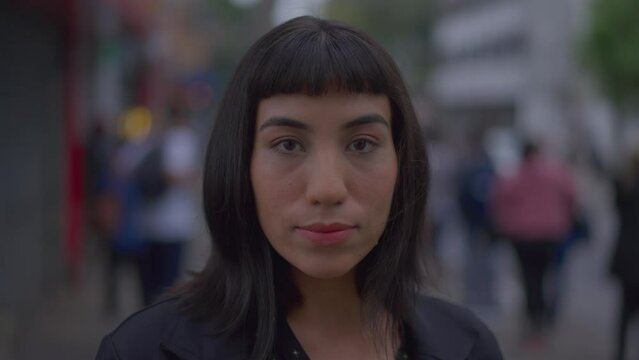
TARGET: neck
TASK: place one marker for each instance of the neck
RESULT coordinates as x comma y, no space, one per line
327,302
329,323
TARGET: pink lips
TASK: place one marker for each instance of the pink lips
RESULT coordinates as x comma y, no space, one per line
326,234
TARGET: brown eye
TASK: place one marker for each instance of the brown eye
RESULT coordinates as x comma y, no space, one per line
362,146
287,146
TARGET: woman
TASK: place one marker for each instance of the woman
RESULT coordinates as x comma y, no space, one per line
314,193
534,209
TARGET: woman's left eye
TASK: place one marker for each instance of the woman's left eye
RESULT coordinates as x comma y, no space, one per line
288,146
362,145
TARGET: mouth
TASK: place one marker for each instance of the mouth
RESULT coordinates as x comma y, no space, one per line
326,234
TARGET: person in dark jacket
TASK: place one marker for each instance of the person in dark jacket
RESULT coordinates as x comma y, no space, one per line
625,264
476,182
315,187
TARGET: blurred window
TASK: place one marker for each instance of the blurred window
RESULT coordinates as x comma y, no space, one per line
447,7
508,45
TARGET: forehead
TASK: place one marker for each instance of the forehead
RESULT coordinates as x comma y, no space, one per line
338,105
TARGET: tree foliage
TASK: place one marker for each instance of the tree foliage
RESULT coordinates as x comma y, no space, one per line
611,48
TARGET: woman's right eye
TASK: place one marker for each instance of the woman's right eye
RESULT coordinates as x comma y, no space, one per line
288,146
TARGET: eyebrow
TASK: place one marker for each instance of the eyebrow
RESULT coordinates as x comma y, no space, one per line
366,119
297,124
283,121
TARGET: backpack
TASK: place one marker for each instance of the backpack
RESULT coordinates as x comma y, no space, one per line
149,176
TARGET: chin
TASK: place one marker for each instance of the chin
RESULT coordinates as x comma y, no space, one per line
325,271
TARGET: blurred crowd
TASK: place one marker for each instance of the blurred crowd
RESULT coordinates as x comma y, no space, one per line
141,197
536,206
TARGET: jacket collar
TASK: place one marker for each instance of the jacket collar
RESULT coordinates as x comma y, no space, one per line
194,340
436,333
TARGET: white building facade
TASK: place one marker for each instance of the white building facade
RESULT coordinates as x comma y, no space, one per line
514,64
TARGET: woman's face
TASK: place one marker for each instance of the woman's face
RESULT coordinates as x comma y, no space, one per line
323,171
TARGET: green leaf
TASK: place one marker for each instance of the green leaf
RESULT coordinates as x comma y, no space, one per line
610,48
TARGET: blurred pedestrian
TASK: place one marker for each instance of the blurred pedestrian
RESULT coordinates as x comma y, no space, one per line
476,184
578,235
166,179
314,192
101,194
125,245
534,209
444,166
625,259
104,205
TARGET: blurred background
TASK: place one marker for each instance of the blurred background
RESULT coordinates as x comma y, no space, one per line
88,88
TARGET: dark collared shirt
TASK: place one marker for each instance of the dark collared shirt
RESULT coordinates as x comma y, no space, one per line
287,347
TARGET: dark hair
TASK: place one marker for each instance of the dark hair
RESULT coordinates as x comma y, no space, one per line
529,149
246,284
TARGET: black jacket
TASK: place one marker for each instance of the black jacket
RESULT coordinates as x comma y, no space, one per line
624,264
441,331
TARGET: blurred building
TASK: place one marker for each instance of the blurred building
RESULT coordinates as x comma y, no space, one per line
514,64
66,66
41,91
48,69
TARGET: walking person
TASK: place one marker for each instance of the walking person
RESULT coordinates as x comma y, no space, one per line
168,212
444,167
534,209
105,207
476,185
125,246
625,260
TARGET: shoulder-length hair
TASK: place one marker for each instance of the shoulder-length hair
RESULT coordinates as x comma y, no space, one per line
246,285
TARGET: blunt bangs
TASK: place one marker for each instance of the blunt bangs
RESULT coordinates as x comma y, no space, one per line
316,57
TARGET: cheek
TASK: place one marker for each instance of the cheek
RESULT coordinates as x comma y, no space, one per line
375,189
383,188
381,178
272,184
275,190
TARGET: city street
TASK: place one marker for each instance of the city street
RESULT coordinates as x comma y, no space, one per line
71,325
107,108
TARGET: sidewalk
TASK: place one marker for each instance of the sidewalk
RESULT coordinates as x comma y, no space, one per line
72,324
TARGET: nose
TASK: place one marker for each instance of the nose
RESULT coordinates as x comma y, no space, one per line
326,180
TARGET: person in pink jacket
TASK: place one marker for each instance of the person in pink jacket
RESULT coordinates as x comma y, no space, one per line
534,209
